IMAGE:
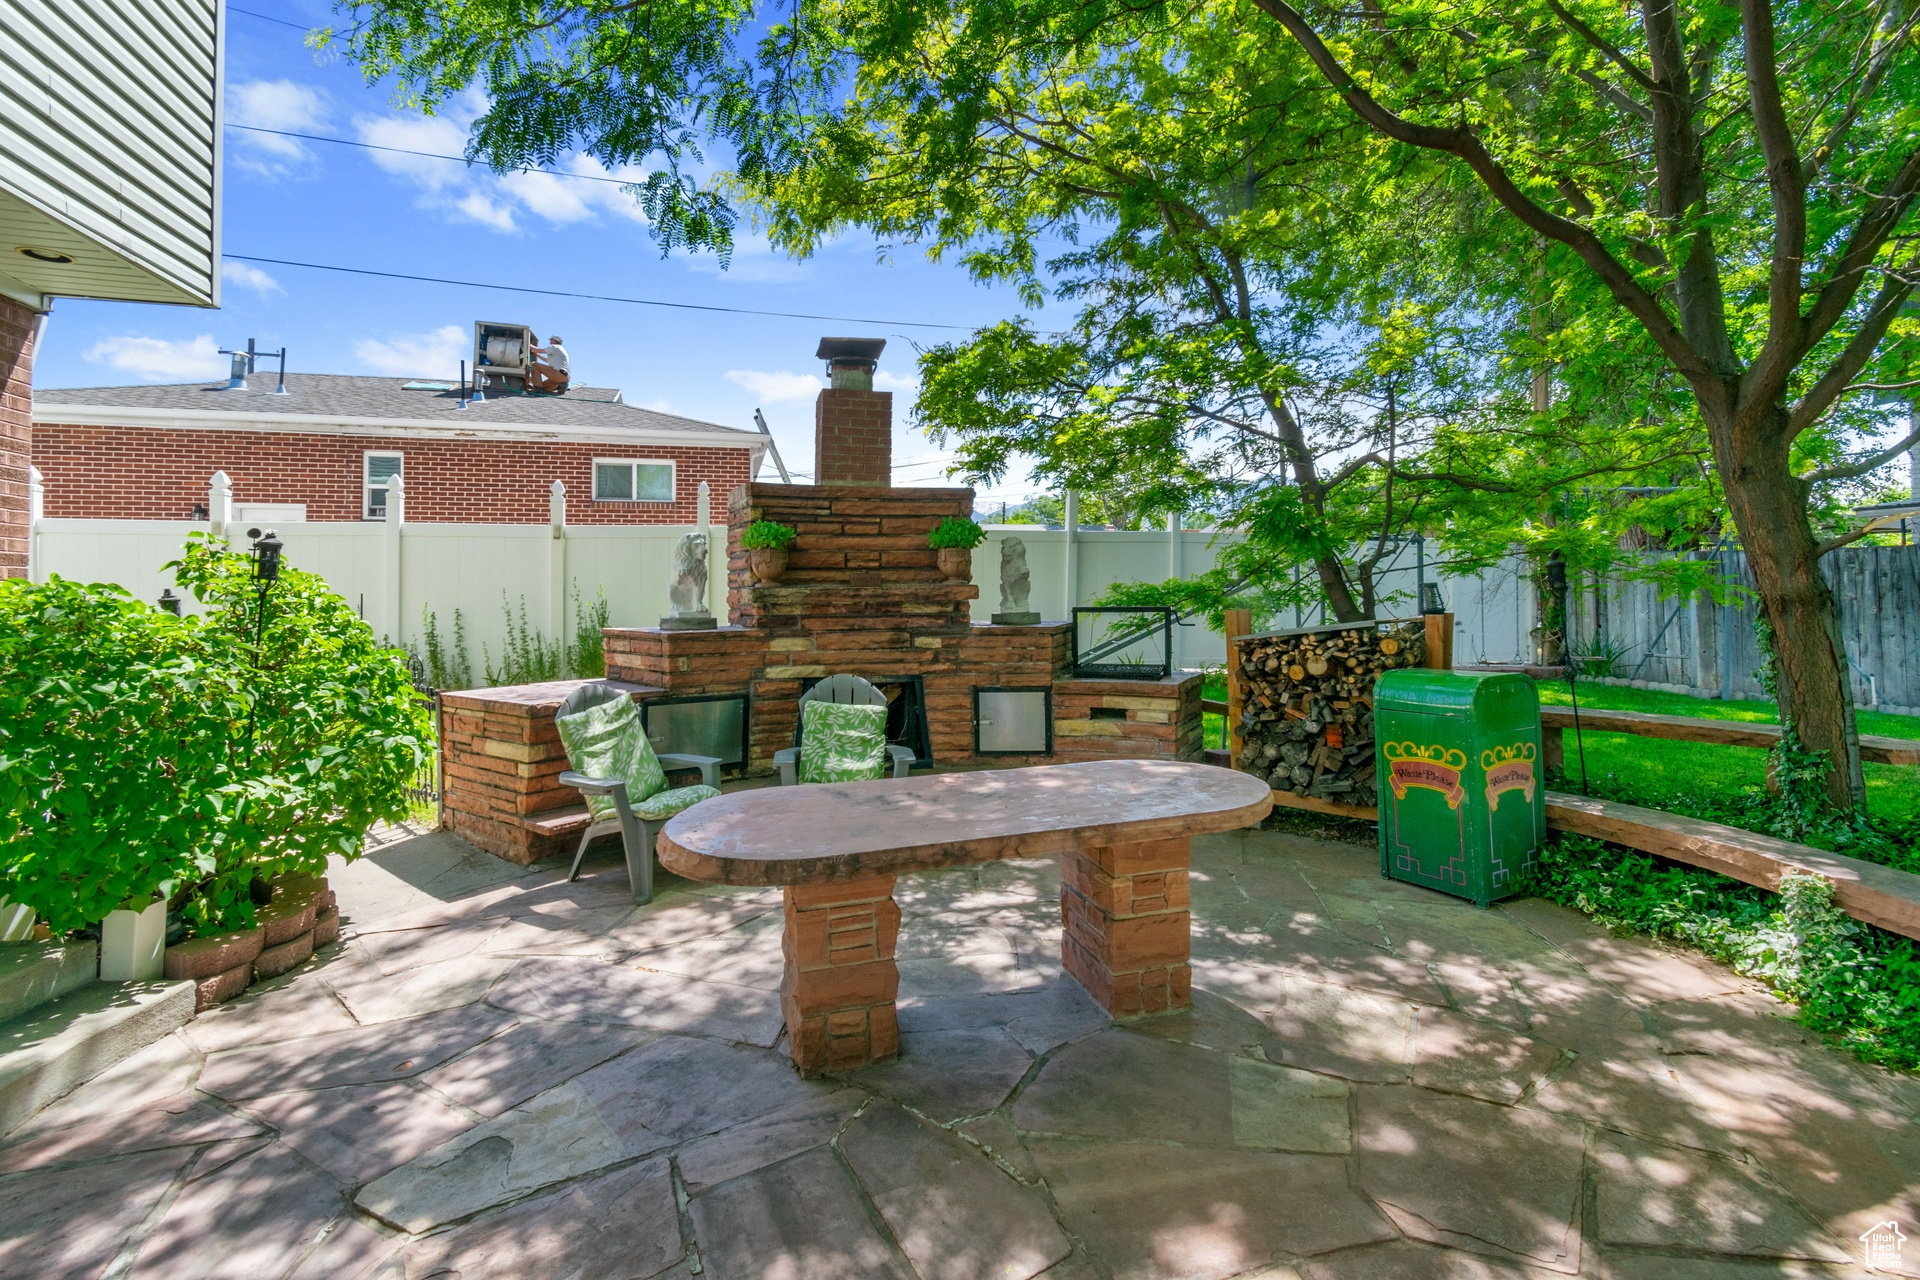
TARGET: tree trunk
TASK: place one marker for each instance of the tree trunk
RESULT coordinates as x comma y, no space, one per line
1810,660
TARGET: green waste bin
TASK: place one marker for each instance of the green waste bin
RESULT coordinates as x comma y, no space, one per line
1462,798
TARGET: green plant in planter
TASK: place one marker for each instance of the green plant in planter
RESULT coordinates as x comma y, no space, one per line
117,768
956,532
767,535
334,736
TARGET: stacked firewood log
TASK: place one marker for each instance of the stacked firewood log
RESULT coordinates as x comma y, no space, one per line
1306,718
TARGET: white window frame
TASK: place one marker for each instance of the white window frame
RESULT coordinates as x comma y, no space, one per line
367,485
673,481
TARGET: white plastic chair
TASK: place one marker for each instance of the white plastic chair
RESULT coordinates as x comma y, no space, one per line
848,691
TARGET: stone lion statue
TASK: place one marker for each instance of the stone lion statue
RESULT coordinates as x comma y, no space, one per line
689,590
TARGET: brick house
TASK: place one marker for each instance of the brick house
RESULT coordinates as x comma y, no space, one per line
324,451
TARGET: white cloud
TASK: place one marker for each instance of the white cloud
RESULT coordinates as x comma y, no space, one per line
884,381
158,359
475,192
273,104
249,277
418,355
662,405
754,261
773,388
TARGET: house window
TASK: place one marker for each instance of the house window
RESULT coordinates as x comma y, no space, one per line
631,480
379,469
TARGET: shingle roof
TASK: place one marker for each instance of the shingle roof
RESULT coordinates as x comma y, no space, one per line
336,396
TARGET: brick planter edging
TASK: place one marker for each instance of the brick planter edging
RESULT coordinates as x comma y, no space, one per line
301,918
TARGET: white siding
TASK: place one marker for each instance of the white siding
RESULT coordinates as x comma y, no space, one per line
110,146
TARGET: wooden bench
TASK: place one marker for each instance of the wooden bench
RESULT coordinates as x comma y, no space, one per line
1121,828
1864,890
1554,721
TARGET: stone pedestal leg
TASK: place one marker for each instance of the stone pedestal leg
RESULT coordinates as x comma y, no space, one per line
1553,749
1127,930
841,979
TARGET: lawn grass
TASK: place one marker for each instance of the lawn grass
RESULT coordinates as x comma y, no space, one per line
1626,764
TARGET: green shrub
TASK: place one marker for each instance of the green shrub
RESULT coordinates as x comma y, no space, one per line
956,532
447,667
332,741
769,535
526,657
117,761
589,656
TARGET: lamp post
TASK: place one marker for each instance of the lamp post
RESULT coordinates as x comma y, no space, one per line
266,572
169,602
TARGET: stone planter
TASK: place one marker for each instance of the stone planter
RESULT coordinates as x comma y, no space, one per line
220,966
767,563
301,918
132,944
955,562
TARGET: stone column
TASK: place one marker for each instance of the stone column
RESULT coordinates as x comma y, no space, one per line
841,978
1127,930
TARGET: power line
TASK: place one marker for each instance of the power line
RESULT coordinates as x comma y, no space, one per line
596,297
430,155
267,17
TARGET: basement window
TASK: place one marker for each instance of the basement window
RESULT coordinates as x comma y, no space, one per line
379,468
632,480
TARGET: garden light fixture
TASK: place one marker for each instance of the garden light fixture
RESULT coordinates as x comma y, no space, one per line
266,557
169,602
1430,601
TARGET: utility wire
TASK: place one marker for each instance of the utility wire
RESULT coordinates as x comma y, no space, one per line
267,17
597,297
430,155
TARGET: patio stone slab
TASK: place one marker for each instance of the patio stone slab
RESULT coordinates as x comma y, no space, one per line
619,1224
558,1135
359,1132
1643,1098
400,950
1284,1109
448,984
573,990
1411,1260
1118,1084
1354,1034
798,1220
1459,1171
251,1218
749,956
967,975
1038,1018
72,1222
669,922
391,1051
528,1059
1455,1054
767,1141
999,1139
1656,1196
950,1074
1483,991
1211,1022
930,941
350,1250
953,1211
75,1134
538,934
287,1010
1170,1213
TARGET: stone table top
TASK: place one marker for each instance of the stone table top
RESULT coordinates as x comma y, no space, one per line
825,832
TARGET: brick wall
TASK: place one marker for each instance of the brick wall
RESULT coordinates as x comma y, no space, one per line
853,437
16,433
150,473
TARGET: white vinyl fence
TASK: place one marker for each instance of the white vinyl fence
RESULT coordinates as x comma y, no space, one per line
393,573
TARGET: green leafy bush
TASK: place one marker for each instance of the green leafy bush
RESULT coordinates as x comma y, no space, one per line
526,657
589,656
117,766
1854,982
447,666
768,535
333,738
956,532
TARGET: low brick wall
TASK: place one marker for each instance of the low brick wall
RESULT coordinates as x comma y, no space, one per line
501,761
301,918
1128,719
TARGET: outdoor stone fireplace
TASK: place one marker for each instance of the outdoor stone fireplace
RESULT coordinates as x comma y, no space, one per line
861,595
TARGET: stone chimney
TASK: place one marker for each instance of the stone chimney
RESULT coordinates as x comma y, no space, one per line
852,423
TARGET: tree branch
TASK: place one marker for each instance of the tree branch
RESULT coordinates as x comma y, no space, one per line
1782,349
1620,282
1612,54
1868,84
1872,462
1849,273
1854,356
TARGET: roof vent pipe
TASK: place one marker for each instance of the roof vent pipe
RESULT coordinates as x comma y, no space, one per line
237,375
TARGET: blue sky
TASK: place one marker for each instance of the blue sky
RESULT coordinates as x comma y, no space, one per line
345,205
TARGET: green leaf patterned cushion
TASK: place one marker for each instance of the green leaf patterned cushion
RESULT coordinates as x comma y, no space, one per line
607,742
671,801
839,743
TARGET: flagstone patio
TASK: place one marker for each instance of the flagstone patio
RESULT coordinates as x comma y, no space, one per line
497,1074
